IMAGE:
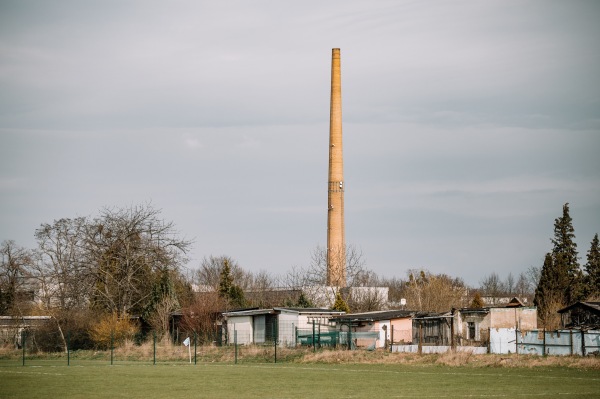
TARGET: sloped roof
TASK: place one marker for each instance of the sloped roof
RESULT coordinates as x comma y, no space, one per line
594,307
377,315
312,311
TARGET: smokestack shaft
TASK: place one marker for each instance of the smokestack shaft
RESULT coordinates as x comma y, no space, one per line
336,244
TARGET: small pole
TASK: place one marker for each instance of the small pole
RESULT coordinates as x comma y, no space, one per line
68,348
313,337
582,342
544,342
420,337
112,346
154,347
350,336
319,336
391,338
189,345
195,348
23,338
274,341
235,344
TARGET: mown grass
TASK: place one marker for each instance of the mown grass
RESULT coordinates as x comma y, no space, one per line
299,373
94,379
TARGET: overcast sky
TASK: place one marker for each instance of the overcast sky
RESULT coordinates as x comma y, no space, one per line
467,125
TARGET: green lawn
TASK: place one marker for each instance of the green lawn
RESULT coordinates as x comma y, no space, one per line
93,379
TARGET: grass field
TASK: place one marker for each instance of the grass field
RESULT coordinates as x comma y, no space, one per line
93,379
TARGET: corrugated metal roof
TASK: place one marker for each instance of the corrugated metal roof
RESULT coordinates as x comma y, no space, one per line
377,315
324,311
593,306
251,312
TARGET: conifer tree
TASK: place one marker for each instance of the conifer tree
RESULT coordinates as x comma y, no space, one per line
234,294
564,253
226,280
340,304
592,269
549,294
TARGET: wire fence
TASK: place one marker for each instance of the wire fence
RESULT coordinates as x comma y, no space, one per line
275,343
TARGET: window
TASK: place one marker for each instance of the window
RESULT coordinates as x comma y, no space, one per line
471,330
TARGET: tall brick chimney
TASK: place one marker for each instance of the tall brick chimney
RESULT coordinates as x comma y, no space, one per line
336,240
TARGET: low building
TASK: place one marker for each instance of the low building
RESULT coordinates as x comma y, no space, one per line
12,327
584,315
471,326
283,325
377,329
433,329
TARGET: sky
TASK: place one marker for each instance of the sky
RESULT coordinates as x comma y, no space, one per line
467,125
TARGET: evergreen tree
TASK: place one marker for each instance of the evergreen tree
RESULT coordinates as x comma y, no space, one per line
564,255
592,269
304,302
339,304
226,280
549,294
227,289
477,302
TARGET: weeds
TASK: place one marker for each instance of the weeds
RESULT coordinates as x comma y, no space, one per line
167,352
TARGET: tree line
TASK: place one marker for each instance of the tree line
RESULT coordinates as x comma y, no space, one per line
106,275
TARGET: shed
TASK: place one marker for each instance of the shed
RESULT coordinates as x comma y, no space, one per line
379,327
585,315
472,326
259,326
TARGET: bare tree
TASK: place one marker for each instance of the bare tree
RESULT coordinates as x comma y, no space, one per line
203,315
64,276
15,283
429,292
126,248
523,288
209,273
316,273
510,284
313,278
492,288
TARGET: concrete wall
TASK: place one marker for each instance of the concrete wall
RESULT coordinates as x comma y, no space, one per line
522,318
243,326
402,330
478,350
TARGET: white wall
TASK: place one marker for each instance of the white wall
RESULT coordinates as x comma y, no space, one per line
243,326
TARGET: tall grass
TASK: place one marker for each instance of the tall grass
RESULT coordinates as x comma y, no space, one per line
165,351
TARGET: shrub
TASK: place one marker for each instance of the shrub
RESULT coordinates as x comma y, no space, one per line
112,328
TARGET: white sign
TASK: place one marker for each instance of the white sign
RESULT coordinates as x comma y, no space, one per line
187,341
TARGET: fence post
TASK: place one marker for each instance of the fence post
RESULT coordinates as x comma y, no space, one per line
582,342
23,339
544,342
235,344
452,341
516,341
195,348
154,347
571,341
350,336
274,340
392,338
319,335
313,337
68,348
112,346
420,337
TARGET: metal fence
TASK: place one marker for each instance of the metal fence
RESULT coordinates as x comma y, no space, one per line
541,342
